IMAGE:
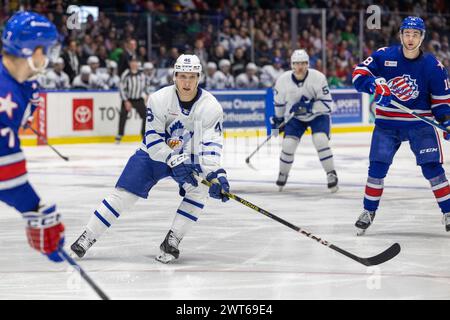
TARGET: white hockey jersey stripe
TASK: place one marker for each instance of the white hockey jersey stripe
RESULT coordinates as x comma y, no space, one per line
12,158
400,118
13,183
372,198
443,198
440,186
441,97
375,186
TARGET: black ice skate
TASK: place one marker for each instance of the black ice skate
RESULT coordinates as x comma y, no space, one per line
446,221
332,181
169,248
364,221
282,179
82,245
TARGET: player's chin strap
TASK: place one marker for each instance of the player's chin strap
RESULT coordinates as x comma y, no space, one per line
422,37
36,70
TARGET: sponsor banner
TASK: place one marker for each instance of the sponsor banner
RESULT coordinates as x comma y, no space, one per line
242,108
348,107
87,114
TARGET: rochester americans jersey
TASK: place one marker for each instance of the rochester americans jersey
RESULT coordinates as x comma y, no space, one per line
196,131
17,103
288,91
421,84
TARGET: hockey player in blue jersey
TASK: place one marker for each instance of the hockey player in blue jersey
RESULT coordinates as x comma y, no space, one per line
417,80
29,41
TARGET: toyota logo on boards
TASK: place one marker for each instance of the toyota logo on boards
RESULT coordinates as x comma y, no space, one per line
83,117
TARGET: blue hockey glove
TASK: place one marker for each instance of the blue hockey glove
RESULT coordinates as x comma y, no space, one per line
382,92
219,183
182,172
302,107
446,124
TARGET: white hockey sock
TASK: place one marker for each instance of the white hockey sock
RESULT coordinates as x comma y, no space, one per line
320,141
288,148
187,214
109,211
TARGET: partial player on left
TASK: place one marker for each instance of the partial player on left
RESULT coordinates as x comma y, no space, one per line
29,41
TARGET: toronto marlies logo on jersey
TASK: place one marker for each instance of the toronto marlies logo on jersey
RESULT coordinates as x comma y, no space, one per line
179,136
403,87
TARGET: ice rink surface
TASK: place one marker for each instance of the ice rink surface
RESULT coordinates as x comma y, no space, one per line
234,252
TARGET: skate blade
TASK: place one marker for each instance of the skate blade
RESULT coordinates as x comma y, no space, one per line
165,258
360,232
334,189
73,255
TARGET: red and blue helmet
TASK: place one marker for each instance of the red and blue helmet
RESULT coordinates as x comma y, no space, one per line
413,23
25,31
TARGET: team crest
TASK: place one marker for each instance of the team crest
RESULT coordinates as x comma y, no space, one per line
403,87
178,136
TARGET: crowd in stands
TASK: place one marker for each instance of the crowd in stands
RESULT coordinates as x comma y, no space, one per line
241,43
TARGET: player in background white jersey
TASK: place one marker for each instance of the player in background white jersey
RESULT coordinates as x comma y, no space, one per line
270,73
55,78
248,79
304,92
183,138
225,79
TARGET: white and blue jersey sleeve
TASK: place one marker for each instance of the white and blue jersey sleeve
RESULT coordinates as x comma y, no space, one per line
154,140
212,139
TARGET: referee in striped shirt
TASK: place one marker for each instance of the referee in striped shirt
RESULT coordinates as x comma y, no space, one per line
132,93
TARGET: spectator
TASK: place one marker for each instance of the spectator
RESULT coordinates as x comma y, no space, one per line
127,54
71,60
239,62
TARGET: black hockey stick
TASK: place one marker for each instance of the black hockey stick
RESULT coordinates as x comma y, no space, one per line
386,255
418,116
46,142
84,275
282,125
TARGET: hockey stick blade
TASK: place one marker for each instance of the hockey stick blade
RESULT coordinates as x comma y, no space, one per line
247,161
384,256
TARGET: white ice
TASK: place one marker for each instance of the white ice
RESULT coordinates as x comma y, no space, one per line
234,252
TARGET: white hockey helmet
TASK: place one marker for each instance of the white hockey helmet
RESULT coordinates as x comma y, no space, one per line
188,63
85,69
148,66
251,66
58,60
224,63
299,55
211,65
93,59
111,64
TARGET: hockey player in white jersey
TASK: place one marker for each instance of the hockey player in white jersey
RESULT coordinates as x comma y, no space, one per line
183,138
225,79
55,78
304,94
